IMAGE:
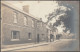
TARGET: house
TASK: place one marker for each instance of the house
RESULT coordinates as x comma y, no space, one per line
19,27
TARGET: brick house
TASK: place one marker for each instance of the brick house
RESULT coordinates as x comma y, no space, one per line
18,27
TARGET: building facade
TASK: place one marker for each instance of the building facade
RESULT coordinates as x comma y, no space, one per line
18,27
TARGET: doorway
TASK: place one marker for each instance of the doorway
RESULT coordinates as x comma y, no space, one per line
51,37
38,38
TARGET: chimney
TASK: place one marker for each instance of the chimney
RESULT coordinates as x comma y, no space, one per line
26,8
40,19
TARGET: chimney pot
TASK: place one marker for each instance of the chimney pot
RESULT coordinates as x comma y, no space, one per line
40,19
26,8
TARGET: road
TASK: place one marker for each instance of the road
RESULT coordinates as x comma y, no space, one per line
60,45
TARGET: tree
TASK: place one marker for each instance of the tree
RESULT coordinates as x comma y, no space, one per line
64,13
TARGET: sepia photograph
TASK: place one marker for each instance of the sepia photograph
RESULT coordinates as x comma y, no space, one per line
40,25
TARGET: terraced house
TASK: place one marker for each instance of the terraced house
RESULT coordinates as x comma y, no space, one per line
18,26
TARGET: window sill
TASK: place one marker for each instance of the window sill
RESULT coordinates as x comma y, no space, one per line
15,22
29,39
14,39
32,27
25,25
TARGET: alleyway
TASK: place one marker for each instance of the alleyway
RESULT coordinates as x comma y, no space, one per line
59,45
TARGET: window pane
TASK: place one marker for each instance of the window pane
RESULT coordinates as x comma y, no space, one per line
25,21
29,35
38,24
15,34
32,23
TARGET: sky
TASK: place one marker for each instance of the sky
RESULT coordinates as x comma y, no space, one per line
37,8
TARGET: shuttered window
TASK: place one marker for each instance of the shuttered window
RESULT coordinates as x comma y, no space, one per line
32,23
25,20
15,17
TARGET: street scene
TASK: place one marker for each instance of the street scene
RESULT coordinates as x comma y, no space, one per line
39,26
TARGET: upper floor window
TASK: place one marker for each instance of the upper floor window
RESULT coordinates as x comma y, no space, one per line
38,24
15,17
32,23
25,20
51,31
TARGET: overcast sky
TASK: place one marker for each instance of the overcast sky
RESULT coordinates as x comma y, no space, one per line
37,8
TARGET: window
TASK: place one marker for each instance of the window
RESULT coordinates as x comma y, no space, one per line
15,35
37,24
25,21
32,23
15,17
51,31
29,36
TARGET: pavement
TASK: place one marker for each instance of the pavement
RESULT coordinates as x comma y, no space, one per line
58,45
63,44
23,46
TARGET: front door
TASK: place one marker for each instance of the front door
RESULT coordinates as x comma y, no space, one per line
51,37
38,38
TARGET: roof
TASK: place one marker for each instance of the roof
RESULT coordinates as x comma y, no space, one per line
13,7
